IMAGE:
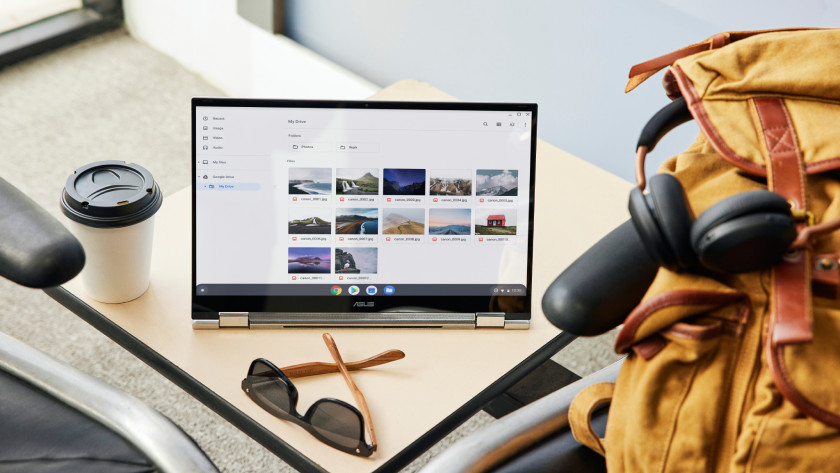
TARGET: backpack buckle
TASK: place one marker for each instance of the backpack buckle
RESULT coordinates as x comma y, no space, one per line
801,215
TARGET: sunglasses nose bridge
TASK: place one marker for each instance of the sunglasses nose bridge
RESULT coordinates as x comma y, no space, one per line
262,368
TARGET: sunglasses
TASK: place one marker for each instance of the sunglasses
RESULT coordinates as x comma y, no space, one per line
332,421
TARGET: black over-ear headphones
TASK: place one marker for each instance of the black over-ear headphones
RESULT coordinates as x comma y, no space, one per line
746,232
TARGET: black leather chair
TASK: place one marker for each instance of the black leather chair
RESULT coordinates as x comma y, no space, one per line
54,418
534,438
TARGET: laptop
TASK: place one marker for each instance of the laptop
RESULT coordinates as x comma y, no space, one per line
362,214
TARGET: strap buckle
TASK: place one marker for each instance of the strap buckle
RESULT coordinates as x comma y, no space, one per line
803,215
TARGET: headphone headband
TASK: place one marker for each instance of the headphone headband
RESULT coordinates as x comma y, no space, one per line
666,119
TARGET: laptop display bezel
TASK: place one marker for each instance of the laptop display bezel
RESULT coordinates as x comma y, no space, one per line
208,307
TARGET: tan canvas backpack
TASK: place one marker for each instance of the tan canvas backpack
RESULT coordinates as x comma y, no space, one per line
740,372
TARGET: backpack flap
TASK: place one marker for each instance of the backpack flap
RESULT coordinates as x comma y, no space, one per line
800,67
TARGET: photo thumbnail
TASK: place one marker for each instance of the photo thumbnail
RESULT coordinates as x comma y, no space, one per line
356,260
449,182
309,260
310,181
357,181
310,221
404,182
497,182
449,221
356,221
403,221
495,222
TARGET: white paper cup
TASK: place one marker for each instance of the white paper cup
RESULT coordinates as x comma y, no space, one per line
111,207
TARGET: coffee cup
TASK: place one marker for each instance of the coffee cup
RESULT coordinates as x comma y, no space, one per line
111,207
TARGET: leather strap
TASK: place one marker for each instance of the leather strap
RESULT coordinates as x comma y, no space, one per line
790,306
650,346
644,70
787,386
787,175
791,296
791,301
701,300
583,406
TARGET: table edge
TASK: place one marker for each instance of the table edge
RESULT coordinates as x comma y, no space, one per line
267,438
471,407
183,380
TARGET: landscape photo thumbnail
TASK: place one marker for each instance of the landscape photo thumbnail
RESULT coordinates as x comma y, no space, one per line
449,221
356,221
310,221
357,181
497,182
309,260
404,181
403,221
310,181
356,260
495,222
449,182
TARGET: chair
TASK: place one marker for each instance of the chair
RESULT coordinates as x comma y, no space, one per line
533,438
54,418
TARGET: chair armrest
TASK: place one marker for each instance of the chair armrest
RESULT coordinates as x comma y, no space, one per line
517,431
163,443
35,249
597,291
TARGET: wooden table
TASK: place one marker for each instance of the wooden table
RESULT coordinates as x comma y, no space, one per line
446,376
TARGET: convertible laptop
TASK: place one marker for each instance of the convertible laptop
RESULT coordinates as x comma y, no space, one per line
371,214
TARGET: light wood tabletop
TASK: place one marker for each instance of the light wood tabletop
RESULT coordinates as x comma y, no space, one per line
443,370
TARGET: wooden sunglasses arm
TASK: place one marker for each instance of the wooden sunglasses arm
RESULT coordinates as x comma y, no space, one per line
360,398
316,368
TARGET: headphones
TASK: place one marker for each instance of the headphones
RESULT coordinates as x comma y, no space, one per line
746,232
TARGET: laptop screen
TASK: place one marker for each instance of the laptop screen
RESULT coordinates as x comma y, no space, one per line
361,206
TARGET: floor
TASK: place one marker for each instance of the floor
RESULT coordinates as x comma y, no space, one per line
17,13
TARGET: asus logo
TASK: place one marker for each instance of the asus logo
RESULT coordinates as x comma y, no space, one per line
363,304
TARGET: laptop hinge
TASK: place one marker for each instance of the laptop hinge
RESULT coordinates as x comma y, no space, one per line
490,320
454,320
517,324
233,319
205,324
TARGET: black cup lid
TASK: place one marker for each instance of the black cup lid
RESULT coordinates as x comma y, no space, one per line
109,194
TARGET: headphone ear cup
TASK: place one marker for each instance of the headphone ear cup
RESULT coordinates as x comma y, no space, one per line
675,218
746,232
647,228
663,221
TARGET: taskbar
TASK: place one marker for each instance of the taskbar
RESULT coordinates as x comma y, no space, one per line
360,289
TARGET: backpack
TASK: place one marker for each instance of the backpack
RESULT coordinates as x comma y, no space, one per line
739,371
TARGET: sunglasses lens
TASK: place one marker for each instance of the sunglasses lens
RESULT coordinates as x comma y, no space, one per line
269,389
338,423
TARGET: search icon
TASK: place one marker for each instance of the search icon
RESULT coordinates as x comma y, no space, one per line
485,124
